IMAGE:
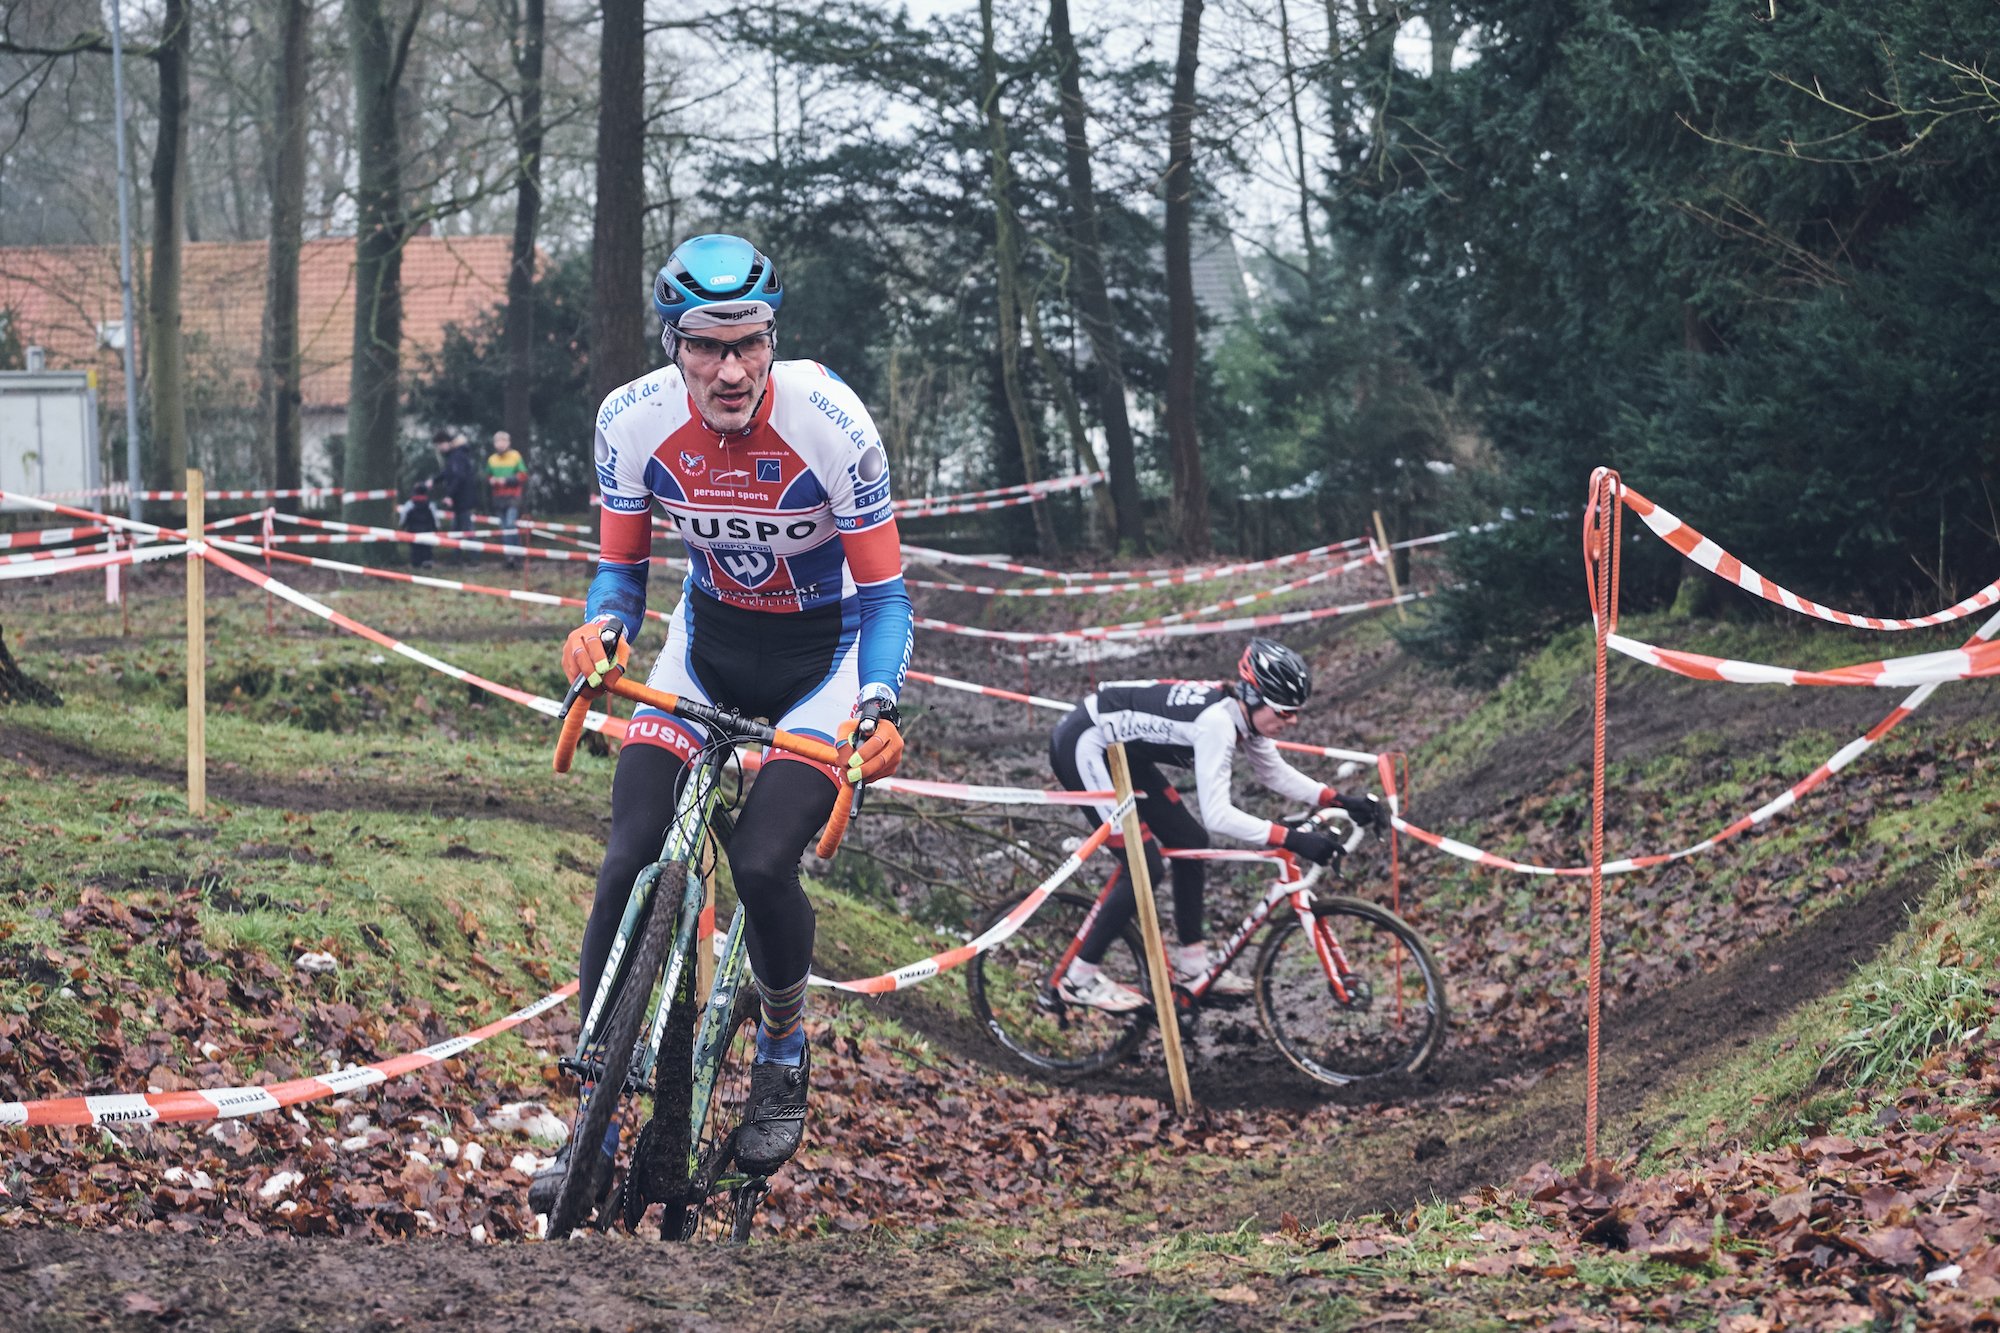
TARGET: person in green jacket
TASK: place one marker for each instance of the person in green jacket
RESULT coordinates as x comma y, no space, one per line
507,478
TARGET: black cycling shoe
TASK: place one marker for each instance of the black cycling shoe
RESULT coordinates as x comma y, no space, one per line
774,1119
544,1184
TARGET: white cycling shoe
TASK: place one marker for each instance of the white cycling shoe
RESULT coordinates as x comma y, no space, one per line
1191,963
1098,991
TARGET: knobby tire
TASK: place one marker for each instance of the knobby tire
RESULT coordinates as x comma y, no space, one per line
1003,985
1395,1018
577,1196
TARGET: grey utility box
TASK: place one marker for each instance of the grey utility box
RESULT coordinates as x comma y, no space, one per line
48,432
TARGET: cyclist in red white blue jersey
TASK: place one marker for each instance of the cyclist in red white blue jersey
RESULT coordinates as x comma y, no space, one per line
793,610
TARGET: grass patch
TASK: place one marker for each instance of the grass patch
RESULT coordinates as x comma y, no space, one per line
1930,988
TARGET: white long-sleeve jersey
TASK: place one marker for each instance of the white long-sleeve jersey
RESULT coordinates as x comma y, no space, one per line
1200,725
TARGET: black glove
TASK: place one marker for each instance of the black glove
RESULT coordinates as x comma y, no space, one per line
1313,846
1364,810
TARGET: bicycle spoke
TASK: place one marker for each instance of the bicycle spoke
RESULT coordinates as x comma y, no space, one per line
1354,997
1012,987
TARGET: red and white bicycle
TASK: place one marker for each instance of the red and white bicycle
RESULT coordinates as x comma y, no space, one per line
1345,988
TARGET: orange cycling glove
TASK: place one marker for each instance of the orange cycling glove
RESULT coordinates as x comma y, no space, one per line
875,757
584,654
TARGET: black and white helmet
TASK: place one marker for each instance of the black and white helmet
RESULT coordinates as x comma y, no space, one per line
1274,674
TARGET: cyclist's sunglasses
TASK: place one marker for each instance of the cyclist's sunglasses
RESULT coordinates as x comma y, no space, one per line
753,348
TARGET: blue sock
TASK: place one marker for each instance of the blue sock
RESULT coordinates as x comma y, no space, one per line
787,1050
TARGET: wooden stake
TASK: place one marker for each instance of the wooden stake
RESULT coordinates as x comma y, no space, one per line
1164,1008
1389,564
197,653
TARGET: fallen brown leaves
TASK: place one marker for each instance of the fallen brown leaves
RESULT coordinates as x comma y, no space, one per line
1827,1232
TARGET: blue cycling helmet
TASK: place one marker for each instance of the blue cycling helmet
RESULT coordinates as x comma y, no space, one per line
716,281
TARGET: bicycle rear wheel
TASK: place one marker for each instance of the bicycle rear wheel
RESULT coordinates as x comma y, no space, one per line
630,1004
1357,997
1012,989
728,1204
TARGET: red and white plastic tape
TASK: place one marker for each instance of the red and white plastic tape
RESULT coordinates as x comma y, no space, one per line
1763,814
48,537
1166,631
307,493
1004,928
1972,662
1177,574
1143,585
1060,706
939,506
167,1108
1699,549
420,580
66,562
362,532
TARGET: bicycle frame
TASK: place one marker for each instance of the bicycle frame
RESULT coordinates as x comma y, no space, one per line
687,835
1290,884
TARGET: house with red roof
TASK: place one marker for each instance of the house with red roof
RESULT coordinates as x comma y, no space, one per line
65,300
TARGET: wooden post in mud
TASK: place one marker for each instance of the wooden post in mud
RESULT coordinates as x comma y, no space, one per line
1164,1009
197,652
1389,564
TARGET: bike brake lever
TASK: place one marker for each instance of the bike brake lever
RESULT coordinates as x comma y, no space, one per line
569,699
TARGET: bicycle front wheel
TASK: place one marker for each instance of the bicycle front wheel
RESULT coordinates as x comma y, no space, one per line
630,1005
1355,997
1012,988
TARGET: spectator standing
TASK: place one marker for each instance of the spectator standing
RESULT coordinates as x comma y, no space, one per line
507,479
416,515
456,482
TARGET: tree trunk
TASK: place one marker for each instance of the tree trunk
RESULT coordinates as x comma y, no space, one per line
166,358
519,331
17,688
1303,178
279,361
374,387
1072,412
1183,346
1007,275
618,234
1093,296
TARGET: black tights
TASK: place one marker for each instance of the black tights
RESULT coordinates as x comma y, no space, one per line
788,803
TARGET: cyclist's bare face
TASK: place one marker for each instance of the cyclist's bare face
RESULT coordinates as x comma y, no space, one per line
1268,721
726,371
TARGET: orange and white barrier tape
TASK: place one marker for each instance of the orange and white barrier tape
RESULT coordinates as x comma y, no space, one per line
1972,662
305,493
1763,814
1165,631
1058,705
938,507
167,1108
50,563
1699,549
1181,573
362,532
548,707
1145,585
43,557
48,536
1074,481
999,931
420,580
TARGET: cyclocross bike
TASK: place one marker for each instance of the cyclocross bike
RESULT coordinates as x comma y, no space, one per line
647,1032
1345,989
